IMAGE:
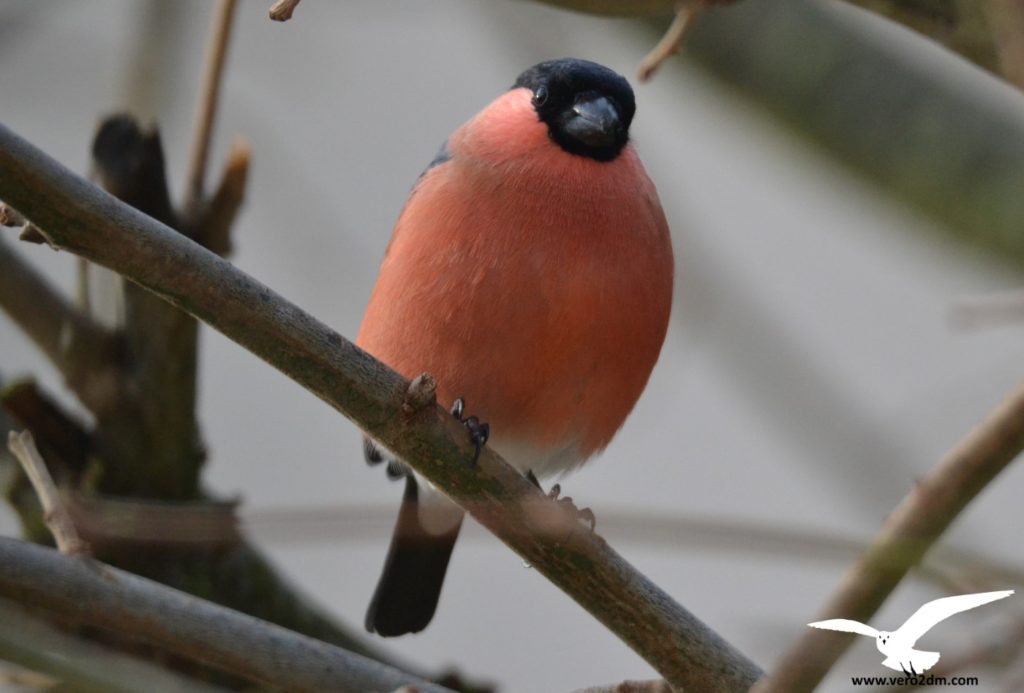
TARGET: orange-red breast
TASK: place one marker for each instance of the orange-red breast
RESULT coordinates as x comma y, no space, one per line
531,273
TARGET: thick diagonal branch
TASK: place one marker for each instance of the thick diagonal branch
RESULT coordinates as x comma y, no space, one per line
83,219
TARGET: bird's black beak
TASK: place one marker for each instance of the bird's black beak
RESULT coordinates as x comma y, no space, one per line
595,122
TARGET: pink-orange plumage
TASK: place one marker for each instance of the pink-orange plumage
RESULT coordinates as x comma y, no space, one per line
532,281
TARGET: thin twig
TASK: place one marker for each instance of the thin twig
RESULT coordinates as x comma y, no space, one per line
1006,23
670,43
106,521
9,216
56,516
213,229
213,71
85,220
910,530
83,292
655,686
987,310
330,523
283,9
105,597
82,350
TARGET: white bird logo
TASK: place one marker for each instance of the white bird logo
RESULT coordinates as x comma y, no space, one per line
898,646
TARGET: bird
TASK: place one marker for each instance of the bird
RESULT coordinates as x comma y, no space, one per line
898,645
531,273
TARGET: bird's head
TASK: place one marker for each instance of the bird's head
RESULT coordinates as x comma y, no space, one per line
586,107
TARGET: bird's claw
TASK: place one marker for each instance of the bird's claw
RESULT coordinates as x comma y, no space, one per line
532,478
478,432
584,515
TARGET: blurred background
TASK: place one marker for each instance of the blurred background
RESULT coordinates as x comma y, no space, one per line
836,185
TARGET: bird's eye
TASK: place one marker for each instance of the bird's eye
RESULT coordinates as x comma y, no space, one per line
540,96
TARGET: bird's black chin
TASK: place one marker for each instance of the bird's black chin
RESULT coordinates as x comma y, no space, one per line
595,123
591,127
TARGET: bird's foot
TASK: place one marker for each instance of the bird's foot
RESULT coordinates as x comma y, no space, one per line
478,432
584,515
532,478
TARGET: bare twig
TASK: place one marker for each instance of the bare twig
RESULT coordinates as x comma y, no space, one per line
105,597
88,222
104,521
655,686
157,418
213,71
56,516
1006,23
422,393
670,43
283,9
618,8
62,439
218,216
335,523
910,530
10,217
989,310
29,640
917,147
79,348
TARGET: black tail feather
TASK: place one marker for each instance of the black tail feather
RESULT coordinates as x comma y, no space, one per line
410,585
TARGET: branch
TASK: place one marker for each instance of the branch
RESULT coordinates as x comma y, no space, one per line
213,230
909,532
619,8
676,533
670,43
10,217
156,419
987,310
213,71
30,641
80,349
99,595
901,124
959,26
1006,21
56,516
283,9
83,219
62,439
235,575
630,687
109,521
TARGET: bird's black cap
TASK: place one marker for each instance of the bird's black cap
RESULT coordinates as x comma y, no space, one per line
587,107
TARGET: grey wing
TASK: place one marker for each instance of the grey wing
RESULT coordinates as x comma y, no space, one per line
940,609
443,155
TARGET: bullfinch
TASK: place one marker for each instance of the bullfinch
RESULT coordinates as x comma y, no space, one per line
531,273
